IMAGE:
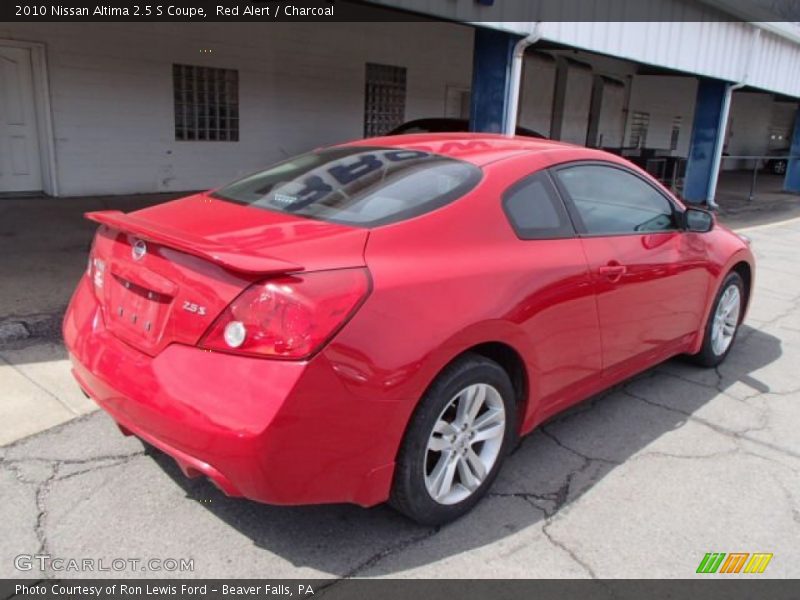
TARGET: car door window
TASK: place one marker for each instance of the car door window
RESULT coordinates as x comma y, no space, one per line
535,210
613,201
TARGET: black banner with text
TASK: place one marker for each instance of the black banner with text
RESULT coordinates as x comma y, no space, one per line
400,10
387,589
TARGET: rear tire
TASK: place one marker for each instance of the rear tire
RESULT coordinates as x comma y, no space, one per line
723,322
457,439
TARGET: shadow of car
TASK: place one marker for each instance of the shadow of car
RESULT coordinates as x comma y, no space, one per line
549,470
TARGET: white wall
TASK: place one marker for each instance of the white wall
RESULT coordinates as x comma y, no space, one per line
301,85
748,128
782,125
753,117
664,98
611,125
536,92
577,96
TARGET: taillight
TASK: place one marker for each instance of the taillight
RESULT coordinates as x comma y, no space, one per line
96,270
290,316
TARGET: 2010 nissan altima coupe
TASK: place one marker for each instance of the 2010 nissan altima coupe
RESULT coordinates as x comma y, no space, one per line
381,320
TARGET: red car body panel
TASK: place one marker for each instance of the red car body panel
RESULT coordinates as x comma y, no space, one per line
328,428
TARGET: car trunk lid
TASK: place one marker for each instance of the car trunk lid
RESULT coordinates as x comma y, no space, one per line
169,270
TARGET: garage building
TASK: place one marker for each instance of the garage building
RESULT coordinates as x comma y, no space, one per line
123,108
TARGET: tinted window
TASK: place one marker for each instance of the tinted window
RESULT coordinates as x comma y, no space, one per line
356,185
535,211
612,201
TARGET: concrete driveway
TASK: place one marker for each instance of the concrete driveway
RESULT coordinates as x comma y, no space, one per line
642,481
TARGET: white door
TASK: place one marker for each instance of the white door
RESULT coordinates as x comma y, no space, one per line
20,168
536,95
611,118
576,99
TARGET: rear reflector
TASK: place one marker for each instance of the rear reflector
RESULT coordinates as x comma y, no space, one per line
289,317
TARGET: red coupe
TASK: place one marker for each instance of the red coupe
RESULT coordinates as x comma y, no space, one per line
381,320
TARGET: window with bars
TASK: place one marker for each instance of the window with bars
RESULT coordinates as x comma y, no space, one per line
676,132
385,99
206,103
640,123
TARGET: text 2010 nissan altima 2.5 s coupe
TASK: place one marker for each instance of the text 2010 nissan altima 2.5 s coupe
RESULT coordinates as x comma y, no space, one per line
381,320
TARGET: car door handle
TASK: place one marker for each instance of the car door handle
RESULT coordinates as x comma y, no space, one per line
613,271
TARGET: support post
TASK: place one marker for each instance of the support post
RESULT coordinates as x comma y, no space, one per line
491,77
792,181
708,137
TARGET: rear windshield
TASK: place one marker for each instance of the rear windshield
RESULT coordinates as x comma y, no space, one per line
359,186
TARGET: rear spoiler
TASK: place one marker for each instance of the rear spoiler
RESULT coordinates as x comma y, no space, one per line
242,261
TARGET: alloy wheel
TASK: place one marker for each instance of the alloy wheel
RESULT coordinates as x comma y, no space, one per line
465,443
726,320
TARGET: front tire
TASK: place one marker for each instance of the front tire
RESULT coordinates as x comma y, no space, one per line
458,437
723,322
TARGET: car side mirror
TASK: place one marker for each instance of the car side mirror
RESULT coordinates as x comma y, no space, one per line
698,220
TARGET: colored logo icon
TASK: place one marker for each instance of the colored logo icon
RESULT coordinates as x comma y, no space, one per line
734,562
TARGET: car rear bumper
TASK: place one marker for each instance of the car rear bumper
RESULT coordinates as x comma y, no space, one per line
280,432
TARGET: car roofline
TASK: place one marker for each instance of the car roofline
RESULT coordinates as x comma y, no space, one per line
479,149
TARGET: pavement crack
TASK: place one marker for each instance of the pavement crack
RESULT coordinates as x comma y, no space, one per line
76,461
545,431
735,435
659,454
44,483
551,503
16,466
382,555
718,387
571,553
544,503
391,550
107,464
40,526
789,499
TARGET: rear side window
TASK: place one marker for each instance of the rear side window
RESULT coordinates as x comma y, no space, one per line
535,211
359,186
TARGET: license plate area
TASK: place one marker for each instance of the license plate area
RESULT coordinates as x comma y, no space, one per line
136,313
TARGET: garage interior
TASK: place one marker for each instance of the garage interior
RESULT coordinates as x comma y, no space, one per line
176,107
97,117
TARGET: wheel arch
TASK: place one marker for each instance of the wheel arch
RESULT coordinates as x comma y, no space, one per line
511,361
506,354
741,264
745,271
